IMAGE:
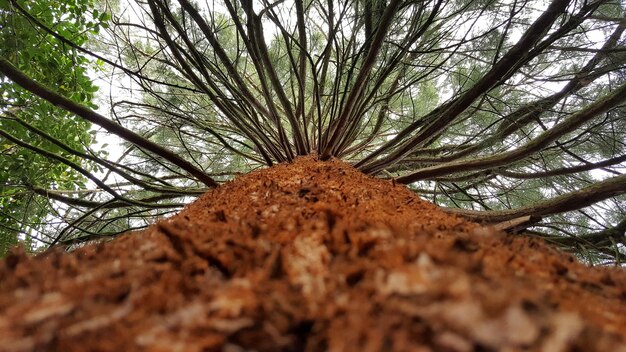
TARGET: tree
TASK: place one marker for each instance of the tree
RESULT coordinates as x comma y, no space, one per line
504,112
36,136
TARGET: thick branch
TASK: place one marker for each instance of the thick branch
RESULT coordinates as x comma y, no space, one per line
567,202
535,145
84,203
84,112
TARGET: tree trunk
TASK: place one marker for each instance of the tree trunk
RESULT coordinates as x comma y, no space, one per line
311,256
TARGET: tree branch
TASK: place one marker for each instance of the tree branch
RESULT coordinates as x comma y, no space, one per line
567,202
84,112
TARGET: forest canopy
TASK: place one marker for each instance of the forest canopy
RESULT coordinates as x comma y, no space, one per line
510,113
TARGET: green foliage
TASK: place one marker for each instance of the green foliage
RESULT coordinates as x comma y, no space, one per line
49,61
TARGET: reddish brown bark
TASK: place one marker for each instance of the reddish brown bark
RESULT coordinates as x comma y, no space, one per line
311,256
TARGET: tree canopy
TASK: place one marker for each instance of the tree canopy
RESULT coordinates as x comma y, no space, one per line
506,112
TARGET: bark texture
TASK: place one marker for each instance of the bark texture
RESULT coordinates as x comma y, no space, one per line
311,256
